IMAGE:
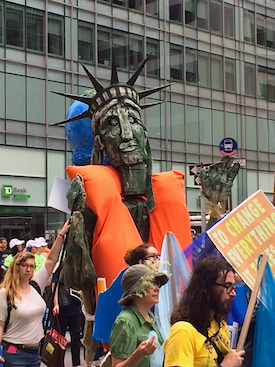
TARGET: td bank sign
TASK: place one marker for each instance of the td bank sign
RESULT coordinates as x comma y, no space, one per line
10,191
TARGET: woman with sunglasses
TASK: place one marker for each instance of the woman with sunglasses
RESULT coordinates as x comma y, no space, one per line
145,254
22,334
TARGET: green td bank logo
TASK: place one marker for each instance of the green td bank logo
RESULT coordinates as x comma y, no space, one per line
7,190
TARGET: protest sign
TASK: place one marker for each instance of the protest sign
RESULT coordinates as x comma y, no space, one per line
245,233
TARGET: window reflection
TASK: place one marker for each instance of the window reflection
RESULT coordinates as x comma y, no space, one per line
176,62
202,14
135,51
153,62
229,21
104,47
230,79
35,28
55,35
1,24
152,7
204,70
120,43
14,27
261,33
175,10
136,4
190,12
85,41
249,79
248,26
215,16
191,66
216,72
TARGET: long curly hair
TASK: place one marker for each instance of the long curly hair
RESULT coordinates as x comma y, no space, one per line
11,278
194,305
133,256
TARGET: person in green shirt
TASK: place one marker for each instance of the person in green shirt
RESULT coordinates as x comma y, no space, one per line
37,250
130,344
15,246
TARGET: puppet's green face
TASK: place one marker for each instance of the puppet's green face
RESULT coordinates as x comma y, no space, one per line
122,134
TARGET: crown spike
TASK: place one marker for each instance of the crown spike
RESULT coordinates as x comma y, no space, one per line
147,92
134,77
84,114
147,105
86,100
96,84
114,77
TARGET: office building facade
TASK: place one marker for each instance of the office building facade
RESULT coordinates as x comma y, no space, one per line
220,56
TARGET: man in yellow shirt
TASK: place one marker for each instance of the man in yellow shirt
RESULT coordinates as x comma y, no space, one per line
199,335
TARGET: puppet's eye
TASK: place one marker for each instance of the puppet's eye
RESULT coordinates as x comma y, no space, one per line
113,121
131,119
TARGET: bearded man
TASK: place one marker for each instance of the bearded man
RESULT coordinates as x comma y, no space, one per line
199,335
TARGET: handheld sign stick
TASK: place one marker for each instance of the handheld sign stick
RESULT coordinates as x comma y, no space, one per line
252,303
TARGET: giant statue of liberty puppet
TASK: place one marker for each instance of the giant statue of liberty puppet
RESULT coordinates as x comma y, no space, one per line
125,204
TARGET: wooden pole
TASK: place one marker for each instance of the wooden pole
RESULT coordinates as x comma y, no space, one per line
252,303
171,259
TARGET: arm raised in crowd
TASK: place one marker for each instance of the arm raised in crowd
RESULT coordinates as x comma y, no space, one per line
55,250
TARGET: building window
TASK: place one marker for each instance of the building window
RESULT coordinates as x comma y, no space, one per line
14,27
204,70
262,82
104,47
215,16
266,78
120,42
230,75
249,79
270,33
176,62
135,51
85,41
271,85
153,62
120,2
55,35
175,10
152,7
190,12
261,32
191,66
229,21
248,26
1,24
202,14
136,5
216,72
35,27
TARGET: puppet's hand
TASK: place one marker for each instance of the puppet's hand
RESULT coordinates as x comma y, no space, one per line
217,182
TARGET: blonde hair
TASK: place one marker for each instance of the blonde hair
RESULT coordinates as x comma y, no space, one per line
11,278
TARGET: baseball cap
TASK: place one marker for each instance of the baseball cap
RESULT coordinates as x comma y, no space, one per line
15,242
41,241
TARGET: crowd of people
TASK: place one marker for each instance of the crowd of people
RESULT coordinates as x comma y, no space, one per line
198,337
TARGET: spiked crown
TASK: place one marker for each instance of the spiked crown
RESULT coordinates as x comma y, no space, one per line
115,90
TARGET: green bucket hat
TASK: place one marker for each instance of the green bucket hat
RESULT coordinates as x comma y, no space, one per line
137,279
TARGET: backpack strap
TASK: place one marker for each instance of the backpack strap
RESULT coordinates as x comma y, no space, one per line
10,307
9,313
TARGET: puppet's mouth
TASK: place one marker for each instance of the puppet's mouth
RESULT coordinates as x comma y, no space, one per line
129,146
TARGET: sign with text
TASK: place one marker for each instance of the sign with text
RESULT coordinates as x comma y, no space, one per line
245,233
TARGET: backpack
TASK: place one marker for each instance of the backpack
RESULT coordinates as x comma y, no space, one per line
35,286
